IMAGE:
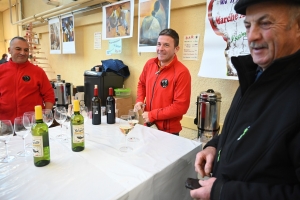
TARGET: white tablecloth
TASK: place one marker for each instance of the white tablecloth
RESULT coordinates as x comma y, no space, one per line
155,169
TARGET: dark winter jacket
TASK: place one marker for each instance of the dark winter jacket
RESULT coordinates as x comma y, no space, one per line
258,151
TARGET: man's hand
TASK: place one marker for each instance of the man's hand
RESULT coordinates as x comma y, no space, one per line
145,117
204,161
139,106
203,192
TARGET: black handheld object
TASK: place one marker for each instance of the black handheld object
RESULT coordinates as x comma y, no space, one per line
192,183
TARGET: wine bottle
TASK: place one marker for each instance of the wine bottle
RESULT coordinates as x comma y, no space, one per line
96,107
40,140
77,128
110,107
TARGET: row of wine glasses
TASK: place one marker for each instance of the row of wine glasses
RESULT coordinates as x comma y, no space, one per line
22,127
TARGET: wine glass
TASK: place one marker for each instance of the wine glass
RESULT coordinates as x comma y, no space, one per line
84,111
134,119
21,131
125,128
48,117
28,121
60,115
6,132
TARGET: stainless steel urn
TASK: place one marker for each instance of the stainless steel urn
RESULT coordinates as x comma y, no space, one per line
208,114
60,91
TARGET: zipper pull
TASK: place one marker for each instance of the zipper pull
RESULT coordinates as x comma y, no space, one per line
245,131
219,155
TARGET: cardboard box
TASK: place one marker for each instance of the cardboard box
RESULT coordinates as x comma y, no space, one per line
123,104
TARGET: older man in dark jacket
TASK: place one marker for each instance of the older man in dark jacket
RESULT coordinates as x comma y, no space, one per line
257,155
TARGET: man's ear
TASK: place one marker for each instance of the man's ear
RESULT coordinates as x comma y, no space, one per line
298,25
177,49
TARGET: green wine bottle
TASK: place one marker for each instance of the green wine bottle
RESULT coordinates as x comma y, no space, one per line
77,128
40,140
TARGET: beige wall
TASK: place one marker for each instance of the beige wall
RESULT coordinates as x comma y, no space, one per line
187,17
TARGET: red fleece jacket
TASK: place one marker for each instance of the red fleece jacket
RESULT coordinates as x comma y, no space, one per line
167,93
22,86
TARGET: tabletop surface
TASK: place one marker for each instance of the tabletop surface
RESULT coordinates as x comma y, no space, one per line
155,169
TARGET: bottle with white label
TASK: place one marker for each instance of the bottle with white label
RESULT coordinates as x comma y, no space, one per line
40,140
77,128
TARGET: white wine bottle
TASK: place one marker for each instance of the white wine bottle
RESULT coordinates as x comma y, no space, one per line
40,140
77,128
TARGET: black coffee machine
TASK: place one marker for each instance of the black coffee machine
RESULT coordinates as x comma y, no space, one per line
103,80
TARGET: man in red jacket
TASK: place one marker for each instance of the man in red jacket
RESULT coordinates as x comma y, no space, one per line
164,87
22,84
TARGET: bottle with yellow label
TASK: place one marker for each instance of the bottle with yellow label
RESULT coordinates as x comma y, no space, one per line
77,128
40,140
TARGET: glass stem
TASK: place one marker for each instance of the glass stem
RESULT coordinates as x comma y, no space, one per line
126,141
24,144
6,150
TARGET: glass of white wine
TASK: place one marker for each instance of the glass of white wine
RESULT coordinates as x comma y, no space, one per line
6,132
21,131
134,119
125,128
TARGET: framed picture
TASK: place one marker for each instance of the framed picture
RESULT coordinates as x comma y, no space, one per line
154,16
118,20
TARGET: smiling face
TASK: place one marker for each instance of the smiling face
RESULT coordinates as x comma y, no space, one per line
271,35
166,49
19,50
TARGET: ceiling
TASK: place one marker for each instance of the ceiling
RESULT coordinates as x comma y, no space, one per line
4,4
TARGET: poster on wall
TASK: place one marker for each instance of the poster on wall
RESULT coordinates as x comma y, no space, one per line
154,16
54,36
190,47
118,20
225,36
68,34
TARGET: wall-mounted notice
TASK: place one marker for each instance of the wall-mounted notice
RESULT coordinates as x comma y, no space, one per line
115,46
97,40
190,47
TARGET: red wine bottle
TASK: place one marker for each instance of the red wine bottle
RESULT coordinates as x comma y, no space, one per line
96,107
110,107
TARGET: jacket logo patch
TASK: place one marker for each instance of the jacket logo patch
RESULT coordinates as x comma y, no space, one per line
164,83
26,78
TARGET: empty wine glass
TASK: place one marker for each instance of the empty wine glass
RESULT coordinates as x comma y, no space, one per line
48,117
60,115
21,131
134,119
28,121
84,111
6,132
125,128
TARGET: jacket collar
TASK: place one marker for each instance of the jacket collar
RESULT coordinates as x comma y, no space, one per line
12,63
246,68
170,64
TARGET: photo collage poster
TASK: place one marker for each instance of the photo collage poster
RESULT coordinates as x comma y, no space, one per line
68,34
154,16
55,36
225,36
118,20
